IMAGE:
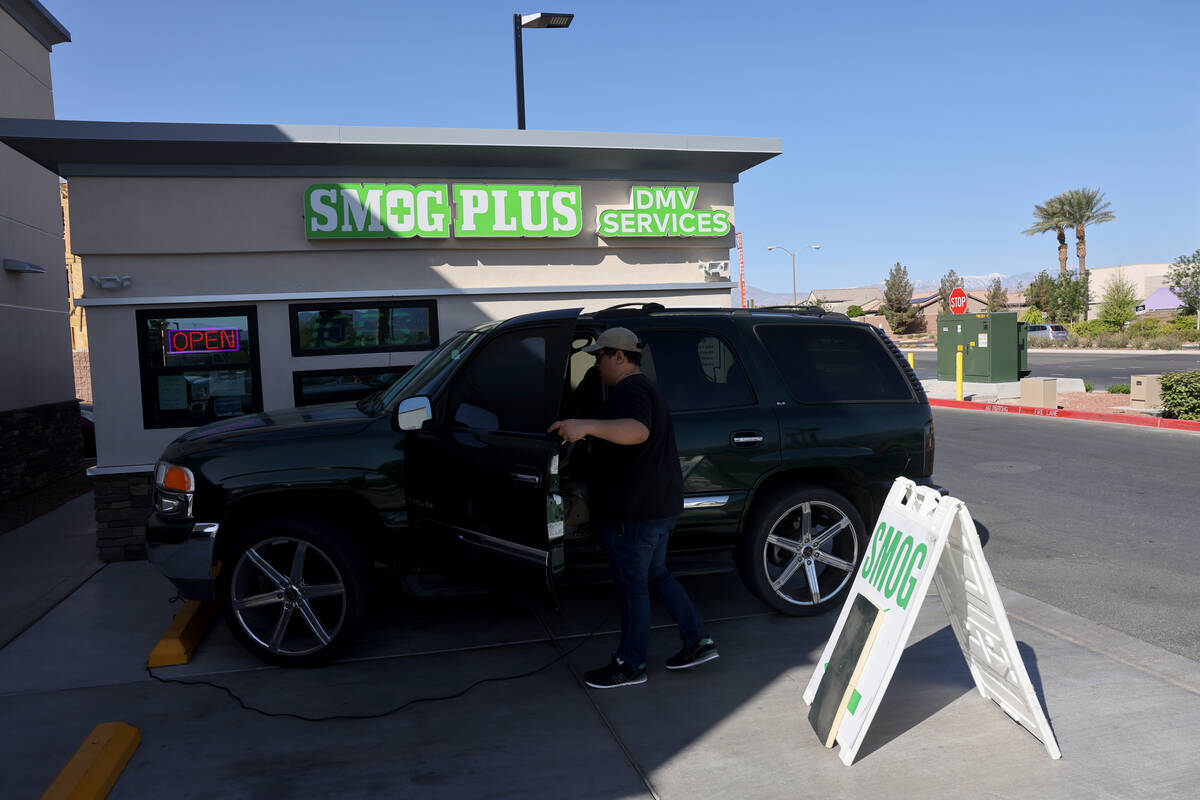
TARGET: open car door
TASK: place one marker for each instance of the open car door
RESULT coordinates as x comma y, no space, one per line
482,475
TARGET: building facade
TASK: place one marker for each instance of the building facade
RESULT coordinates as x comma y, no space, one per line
230,270
39,415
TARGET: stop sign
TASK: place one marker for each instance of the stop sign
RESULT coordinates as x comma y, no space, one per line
958,301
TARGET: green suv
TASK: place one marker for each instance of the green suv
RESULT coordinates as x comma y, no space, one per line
791,425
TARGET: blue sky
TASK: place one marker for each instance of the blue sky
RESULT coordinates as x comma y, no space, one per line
918,132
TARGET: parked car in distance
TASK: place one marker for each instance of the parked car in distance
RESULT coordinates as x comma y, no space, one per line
791,425
1052,331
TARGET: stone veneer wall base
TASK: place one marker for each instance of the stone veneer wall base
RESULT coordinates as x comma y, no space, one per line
123,504
38,445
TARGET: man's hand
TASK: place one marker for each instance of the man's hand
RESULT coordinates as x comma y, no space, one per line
571,430
617,431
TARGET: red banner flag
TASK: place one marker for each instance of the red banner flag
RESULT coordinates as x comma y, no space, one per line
741,269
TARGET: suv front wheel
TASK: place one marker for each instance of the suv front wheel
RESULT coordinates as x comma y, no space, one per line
801,549
295,591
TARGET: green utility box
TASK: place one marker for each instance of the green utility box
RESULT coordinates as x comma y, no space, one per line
993,346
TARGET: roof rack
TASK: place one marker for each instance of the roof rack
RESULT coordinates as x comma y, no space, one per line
643,307
815,311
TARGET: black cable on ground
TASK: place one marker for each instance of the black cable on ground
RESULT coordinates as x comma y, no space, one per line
378,715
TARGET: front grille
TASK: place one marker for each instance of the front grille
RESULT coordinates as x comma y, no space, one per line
903,362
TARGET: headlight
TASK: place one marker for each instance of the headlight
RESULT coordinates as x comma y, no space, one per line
174,478
174,487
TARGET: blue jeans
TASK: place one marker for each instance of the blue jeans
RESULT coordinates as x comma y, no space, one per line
637,557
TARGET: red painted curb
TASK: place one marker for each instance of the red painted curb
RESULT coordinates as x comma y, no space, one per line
1062,413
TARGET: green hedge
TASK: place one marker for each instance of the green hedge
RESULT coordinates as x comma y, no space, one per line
1118,388
1181,394
1094,327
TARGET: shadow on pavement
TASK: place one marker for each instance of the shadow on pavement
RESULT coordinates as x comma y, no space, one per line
931,675
1029,657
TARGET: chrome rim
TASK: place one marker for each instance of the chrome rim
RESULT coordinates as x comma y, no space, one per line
288,596
810,553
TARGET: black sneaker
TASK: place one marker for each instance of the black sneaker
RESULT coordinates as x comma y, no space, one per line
616,674
701,651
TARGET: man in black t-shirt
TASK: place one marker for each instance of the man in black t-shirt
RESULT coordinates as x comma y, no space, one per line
635,494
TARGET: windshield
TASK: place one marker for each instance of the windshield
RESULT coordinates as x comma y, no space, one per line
425,377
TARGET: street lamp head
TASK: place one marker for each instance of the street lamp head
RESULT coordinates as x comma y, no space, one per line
546,19
770,247
815,246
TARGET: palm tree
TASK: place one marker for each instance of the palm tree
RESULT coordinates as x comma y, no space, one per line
1083,207
1051,216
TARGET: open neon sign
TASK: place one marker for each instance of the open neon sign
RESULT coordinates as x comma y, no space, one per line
213,340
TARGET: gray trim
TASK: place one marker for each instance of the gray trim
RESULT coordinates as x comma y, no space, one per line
126,470
712,501
358,172
208,299
35,308
65,146
40,23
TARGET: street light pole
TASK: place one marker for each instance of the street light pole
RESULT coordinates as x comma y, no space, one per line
542,19
793,255
519,57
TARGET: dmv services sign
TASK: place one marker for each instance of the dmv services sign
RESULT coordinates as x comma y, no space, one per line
663,211
492,211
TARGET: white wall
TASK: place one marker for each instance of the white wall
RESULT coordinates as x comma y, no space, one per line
35,357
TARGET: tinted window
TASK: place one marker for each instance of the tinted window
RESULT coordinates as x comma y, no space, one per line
695,370
338,385
330,328
832,363
197,365
504,386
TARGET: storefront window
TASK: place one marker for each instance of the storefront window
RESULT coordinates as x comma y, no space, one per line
338,385
198,365
332,328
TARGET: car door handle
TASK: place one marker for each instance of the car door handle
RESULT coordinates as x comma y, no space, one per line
745,438
527,478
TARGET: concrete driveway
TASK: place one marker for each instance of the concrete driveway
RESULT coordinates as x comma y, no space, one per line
1125,712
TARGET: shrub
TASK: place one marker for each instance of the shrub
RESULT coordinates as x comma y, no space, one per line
1087,386
854,311
1116,341
1151,325
1181,394
1138,342
1118,388
1073,340
1095,326
1165,341
1032,315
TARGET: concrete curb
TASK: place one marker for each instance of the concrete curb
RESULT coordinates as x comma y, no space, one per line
1062,413
187,630
96,765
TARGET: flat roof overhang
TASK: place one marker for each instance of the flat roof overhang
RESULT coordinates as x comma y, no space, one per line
71,148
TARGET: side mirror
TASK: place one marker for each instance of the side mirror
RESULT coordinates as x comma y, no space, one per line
412,413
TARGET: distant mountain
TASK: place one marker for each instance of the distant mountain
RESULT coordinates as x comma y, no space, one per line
974,283
762,297
921,287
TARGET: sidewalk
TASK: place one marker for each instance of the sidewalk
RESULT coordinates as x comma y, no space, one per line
43,562
1125,713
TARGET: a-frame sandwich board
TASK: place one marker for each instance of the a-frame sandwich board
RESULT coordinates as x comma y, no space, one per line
920,536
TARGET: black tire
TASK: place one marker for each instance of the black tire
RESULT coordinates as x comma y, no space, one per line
775,542
289,613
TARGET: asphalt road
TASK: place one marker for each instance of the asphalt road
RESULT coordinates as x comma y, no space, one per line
1100,369
1095,518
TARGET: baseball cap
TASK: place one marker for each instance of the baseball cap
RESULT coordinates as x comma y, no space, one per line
616,339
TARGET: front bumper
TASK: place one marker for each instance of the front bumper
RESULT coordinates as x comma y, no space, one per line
183,552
